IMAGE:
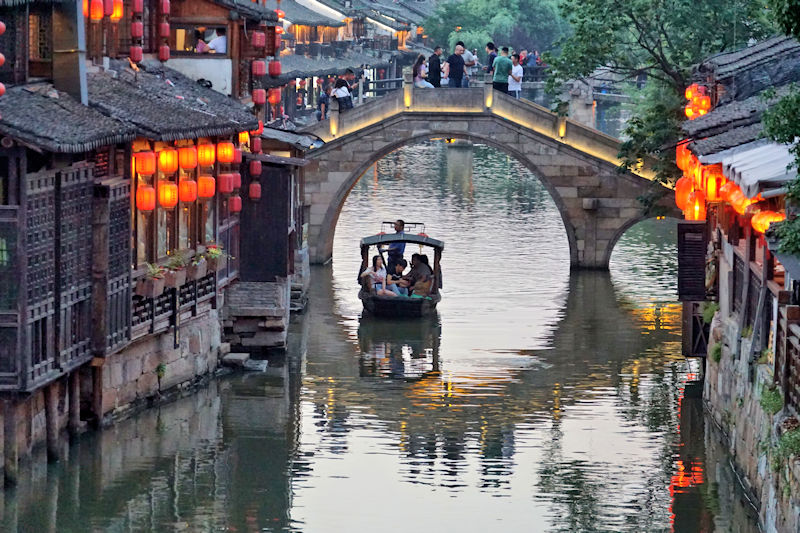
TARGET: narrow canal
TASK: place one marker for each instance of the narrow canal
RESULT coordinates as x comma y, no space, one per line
541,400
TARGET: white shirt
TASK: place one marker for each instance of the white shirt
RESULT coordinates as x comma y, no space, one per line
515,85
468,58
219,44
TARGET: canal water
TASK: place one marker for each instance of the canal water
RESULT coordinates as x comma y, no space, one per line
538,400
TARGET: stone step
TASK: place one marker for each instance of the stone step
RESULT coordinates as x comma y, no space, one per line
236,359
266,339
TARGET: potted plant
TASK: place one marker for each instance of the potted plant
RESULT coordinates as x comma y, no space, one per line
215,257
196,269
175,273
152,284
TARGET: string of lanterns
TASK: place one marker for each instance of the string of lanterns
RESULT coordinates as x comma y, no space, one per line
163,31
2,57
699,102
137,31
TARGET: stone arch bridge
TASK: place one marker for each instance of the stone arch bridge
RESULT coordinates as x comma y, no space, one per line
577,164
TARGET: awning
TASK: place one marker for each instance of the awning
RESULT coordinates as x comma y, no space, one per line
756,166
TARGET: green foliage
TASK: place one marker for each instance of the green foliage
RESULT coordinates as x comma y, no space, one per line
788,445
214,251
771,400
177,262
716,352
782,125
747,332
154,271
788,232
787,14
709,310
161,370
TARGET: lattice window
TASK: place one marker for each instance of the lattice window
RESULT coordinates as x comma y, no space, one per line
9,288
39,43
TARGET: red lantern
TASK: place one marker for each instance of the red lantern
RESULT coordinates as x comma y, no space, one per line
278,30
280,13
117,12
137,6
187,157
302,83
260,129
274,68
259,96
682,189
145,198
164,7
96,10
244,138
3,24
274,96
235,204
255,168
163,30
258,39
726,190
258,68
739,201
2,89
136,53
695,206
137,29
206,155
713,179
145,163
2,60
108,7
237,156
163,53
277,42
762,220
255,145
167,194
168,160
254,190
187,191
682,155
225,185
225,151
206,186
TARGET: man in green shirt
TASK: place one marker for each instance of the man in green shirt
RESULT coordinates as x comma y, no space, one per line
502,69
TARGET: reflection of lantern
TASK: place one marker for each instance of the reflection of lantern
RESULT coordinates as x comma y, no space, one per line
274,96
726,190
136,54
237,180
145,163
259,96
225,152
168,160
255,168
254,191
695,206
116,13
145,198
244,137
206,154
258,68
255,145
167,194
237,156
713,181
187,157
96,10
260,129
762,220
206,186
187,191
682,189
235,204
225,184
274,68
163,53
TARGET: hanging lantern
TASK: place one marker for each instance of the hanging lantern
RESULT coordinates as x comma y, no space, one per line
137,6
85,8
225,151
235,204
274,96
237,156
260,129
145,198
168,160
280,13
117,12
258,39
244,137
225,184
206,155
237,180
258,68
145,163
136,53
739,201
163,30
695,206
682,155
167,194
726,190
683,187
274,68
108,7
137,29
255,168
292,83
187,191
302,83
259,96
255,145
163,53
254,190
96,10
164,7
691,91
187,157
278,30
206,186
763,219
713,180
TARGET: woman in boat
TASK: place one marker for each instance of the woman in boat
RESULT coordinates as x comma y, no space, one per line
375,277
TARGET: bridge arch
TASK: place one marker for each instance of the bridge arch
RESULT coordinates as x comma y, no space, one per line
597,203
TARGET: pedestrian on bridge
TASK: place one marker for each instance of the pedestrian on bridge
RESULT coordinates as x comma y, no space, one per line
491,51
420,72
515,78
435,67
454,68
502,70
469,62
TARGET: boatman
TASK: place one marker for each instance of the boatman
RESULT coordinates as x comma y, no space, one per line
396,250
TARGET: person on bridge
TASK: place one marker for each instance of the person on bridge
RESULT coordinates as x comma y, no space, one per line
502,70
342,95
469,62
515,78
324,104
420,72
435,67
491,51
454,68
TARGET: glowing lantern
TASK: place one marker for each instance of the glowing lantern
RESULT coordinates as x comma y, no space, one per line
163,30
726,190
713,180
96,10
145,163
254,190
255,145
136,53
168,160
691,91
695,206
258,39
225,152
244,137
137,29
137,6
259,96
255,168
167,194
237,156
683,187
260,129
225,183
274,68
235,204
163,53
274,96
683,156
206,155
2,27
85,8
206,186
116,13
739,201
278,30
187,191
258,68
762,220
187,157
280,13
145,198
237,180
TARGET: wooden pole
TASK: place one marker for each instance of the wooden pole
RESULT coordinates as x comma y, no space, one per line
74,422
51,421
10,450
97,394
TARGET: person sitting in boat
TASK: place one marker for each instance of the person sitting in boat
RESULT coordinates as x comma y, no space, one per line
374,278
396,250
395,281
419,276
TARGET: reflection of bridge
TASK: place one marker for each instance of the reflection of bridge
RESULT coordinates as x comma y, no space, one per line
578,165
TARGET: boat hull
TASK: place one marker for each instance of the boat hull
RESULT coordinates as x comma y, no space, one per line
398,307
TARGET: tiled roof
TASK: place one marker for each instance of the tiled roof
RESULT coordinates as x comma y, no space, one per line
728,63
304,16
727,139
255,10
296,66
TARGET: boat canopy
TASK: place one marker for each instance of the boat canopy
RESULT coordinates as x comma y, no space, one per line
415,238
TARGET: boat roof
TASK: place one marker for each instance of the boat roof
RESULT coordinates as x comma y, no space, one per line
415,238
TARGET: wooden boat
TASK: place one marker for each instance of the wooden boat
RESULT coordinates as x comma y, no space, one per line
401,307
